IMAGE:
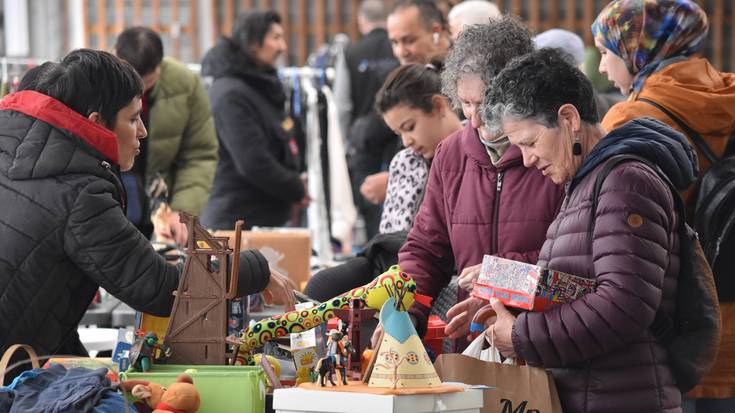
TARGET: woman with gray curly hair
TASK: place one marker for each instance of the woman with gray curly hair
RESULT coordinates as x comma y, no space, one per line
476,201
619,226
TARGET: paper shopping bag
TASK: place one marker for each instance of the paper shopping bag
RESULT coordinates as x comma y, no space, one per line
513,389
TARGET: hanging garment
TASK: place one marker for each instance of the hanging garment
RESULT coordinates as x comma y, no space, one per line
317,212
342,206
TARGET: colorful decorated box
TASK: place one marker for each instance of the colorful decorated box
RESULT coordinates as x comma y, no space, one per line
527,286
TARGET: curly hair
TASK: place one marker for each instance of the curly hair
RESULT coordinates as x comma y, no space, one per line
534,87
484,49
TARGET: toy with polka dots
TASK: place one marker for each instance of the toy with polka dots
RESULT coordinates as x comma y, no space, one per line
374,294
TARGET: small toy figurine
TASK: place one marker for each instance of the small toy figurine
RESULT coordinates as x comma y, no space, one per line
325,370
339,349
179,397
146,350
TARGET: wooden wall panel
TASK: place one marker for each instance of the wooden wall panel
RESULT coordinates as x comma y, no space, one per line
314,22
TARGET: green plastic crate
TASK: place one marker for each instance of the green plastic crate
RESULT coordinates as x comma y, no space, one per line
221,388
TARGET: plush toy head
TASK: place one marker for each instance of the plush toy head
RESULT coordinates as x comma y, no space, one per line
179,397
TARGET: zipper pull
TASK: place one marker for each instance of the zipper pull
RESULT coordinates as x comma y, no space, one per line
499,182
105,165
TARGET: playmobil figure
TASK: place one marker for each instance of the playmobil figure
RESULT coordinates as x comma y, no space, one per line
146,351
325,370
339,349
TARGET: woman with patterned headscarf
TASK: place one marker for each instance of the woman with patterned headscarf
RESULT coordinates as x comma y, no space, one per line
648,50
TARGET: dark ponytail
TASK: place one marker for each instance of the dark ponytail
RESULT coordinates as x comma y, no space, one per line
414,85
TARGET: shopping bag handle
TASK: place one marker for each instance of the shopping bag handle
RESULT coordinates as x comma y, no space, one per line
5,360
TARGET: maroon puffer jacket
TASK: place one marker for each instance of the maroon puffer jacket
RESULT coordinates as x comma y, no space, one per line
599,348
473,208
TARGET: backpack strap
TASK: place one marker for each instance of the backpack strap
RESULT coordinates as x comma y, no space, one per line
662,327
693,135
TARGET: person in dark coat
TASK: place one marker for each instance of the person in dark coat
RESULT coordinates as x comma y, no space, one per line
257,177
360,71
600,348
62,224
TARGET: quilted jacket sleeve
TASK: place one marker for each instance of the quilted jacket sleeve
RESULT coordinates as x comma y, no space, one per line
242,135
101,241
427,254
197,158
630,255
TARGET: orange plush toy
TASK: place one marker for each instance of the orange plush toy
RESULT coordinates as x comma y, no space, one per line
179,397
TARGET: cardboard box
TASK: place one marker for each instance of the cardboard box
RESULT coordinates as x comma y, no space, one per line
527,286
288,250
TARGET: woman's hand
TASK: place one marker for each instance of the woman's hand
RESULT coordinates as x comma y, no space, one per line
460,316
374,187
280,286
468,276
167,226
502,329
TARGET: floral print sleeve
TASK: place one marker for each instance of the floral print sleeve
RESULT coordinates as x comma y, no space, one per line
407,177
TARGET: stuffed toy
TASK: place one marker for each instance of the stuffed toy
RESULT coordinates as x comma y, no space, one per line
179,397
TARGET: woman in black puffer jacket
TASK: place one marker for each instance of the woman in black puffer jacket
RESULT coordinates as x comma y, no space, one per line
62,222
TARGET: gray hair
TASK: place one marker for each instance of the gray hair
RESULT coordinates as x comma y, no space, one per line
484,50
474,12
373,11
534,87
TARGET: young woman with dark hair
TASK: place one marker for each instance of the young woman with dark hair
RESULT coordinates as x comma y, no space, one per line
412,105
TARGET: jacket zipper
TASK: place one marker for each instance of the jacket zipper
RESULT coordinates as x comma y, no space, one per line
116,181
496,206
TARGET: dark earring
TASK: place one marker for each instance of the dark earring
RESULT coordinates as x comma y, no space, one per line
577,148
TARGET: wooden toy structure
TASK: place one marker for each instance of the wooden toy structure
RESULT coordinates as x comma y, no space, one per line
198,326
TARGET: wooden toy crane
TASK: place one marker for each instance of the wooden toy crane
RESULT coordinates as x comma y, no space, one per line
198,326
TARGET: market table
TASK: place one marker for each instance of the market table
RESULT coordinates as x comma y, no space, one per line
297,400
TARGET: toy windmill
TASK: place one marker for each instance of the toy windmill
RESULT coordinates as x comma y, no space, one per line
198,325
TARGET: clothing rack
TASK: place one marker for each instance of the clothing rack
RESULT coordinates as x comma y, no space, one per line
24,63
12,69
306,71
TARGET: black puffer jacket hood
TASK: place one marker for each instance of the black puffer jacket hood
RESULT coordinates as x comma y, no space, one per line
226,59
76,146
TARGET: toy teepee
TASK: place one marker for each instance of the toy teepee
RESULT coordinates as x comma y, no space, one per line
400,360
